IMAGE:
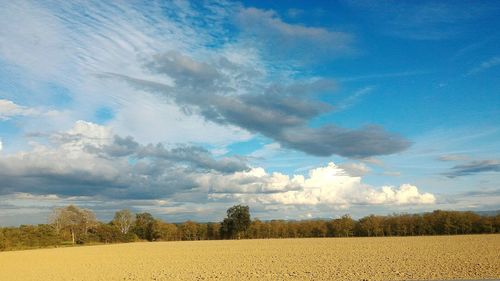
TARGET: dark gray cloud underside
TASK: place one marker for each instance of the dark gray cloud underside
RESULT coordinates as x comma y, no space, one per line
474,167
327,140
281,113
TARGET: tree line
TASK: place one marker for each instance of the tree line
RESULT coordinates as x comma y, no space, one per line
73,225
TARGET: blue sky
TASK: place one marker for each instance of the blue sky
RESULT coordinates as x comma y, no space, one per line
298,109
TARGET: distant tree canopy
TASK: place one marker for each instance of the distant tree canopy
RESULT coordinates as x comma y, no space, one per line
343,227
71,224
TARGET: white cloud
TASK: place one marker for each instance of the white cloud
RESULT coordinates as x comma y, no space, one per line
355,169
267,150
329,185
256,180
64,157
9,109
405,194
485,65
29,196
353,99
89,159
61,45
167,122
76,163
84,134
31,38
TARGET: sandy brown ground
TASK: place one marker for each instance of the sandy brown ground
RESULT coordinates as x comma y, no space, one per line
394,258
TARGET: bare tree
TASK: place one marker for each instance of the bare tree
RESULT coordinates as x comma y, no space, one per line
89,220
55,219
73,219
124,220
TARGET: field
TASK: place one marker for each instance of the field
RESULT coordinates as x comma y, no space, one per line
392,258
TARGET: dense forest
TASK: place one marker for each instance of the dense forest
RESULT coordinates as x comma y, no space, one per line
72,225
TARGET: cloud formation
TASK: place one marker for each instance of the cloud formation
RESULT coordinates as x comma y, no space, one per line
229,86
90,160
292,40
485,65
9,109
329,185
280,112
190,83
474,167
430,20
355,169
452,157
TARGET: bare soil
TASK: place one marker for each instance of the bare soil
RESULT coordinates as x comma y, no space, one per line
385,258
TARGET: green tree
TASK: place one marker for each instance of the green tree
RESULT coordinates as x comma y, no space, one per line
145,226
237,221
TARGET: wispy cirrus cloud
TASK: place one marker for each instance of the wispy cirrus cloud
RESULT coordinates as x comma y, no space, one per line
81,41
353,99
485,65
425,20
453,157
229,85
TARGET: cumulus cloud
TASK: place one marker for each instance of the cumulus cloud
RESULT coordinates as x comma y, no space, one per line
253,181
90,159
474,167
355,169
329,185
190,84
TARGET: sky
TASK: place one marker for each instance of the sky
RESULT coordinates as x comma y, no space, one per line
299,109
